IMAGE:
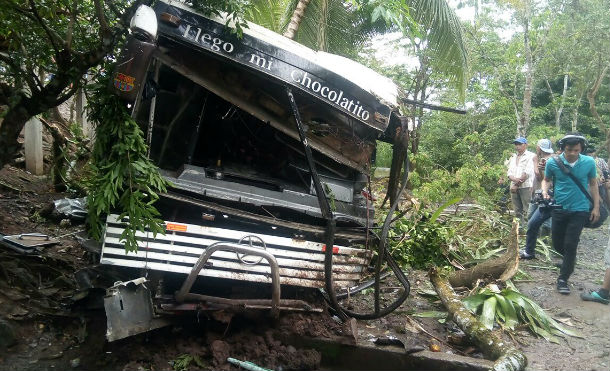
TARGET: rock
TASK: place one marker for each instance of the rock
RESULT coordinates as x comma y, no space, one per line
75,363
7,334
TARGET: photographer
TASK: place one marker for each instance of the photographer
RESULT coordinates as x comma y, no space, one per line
539,211
569,221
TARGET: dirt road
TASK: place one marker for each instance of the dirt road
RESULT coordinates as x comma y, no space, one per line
592,320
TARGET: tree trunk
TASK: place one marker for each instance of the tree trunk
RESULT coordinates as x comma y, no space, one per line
13,123
527,90
23,107
575,112
552,95
592,94
295,20
503,267
71,66
59,161
562,103
506,357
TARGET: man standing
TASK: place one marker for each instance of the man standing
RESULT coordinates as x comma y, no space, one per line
521,175
537,216
569,221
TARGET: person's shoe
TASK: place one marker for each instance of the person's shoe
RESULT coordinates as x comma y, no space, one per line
525,256
594,296
562,287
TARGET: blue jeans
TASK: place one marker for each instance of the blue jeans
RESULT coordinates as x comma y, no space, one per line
537,219
567,226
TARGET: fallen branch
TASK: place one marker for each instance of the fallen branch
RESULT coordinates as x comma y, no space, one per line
502,268
506,356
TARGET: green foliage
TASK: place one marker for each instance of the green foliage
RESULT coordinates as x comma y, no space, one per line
123,178
233,9
383,157
476,181
478,236
509,308
183,362
419,241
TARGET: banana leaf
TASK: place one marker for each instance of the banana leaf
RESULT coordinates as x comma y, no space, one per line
488,315
473,302
550,321
510,308
509,313
438,212
531,322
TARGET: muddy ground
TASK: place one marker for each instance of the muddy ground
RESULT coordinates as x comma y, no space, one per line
47,322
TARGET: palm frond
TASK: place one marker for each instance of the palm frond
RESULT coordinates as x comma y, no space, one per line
328,25
443,31
271,14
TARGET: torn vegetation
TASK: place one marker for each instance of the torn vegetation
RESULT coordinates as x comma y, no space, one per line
509,308
123,177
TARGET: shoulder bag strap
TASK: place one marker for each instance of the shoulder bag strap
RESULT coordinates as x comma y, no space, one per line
564,169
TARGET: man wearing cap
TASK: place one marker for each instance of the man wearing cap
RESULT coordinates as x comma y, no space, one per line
521,174
537,216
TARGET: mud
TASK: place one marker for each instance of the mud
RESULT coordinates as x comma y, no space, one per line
56,326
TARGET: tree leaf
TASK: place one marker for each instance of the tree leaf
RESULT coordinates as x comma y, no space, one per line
488,315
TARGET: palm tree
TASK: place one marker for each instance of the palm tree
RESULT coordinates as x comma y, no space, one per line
341,28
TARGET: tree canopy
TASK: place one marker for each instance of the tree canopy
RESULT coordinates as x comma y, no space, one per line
47,47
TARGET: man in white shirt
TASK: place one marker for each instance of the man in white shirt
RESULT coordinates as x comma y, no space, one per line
521,174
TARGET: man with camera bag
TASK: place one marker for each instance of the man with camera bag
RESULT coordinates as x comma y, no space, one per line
570,174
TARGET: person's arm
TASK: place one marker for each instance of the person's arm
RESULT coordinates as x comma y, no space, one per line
595,195
548,180
538,170
512,167
544,186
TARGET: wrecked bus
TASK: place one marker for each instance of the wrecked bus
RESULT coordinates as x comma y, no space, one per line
268,146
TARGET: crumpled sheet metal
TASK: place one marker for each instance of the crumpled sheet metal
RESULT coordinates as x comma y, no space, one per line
129,310
73,208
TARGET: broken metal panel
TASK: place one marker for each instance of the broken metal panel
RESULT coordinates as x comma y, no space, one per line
225,190
300,262
336,189
129,310
31,240
252,94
